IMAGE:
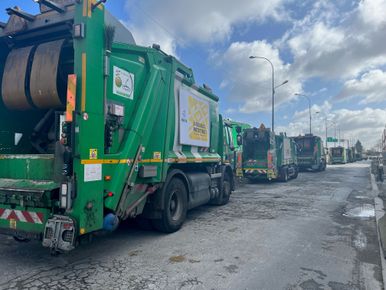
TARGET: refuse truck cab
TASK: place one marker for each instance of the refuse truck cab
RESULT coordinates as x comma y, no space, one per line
232,149
311,154
95,129
268,156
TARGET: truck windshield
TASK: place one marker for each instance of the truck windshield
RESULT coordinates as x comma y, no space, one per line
229,136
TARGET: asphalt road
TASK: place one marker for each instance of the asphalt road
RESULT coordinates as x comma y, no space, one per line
315,232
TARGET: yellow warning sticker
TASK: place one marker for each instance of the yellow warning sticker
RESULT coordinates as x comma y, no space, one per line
12,224
156,155
93,154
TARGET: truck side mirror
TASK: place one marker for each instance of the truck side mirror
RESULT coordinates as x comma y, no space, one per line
238,129
239,140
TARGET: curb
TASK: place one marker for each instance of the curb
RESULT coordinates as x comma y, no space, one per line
379,213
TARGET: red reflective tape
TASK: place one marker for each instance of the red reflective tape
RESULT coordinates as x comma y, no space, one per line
28,217
1,211
41,216
13,216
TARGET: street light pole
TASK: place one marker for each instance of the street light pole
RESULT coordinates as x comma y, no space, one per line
326,132
309,108
273,88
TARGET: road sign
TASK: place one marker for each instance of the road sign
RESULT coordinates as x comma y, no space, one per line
332,139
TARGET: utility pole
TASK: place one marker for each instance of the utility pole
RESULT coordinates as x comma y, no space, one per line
326,131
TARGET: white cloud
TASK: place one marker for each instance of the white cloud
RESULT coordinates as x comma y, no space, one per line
338,45
249,80
156,35
172,22
371,86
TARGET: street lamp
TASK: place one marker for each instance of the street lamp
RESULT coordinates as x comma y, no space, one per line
273,88
309,107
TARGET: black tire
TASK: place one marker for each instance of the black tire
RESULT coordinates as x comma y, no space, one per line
226,191
296,172
284,174
175,207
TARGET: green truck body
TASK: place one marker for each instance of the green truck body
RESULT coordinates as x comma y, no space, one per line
123,132
338,155
268,156
311,155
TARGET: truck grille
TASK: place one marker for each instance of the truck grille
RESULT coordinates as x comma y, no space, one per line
67,236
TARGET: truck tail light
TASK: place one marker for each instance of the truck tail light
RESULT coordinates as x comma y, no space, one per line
269,159
65,195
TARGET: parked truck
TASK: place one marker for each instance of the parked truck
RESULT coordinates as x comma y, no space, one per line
233,151
95,129
311,154
268,156
338,155
350,156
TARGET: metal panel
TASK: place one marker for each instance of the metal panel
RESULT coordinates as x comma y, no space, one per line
44,73
44,8
13,85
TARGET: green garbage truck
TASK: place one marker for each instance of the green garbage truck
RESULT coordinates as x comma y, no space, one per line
311,155
267,156
338,155
95,129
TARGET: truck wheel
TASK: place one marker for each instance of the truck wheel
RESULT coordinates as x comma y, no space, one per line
296,172
284,174
175,207
226,191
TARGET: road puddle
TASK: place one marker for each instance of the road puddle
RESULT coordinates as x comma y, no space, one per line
364,211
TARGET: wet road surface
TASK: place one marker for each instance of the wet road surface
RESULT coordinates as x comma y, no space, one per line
315,232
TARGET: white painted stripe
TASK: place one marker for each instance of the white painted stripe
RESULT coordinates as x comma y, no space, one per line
195,153
6,214
177,85
20,216
180,155
35,217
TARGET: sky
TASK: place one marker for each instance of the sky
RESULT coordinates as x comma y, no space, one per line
333,52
